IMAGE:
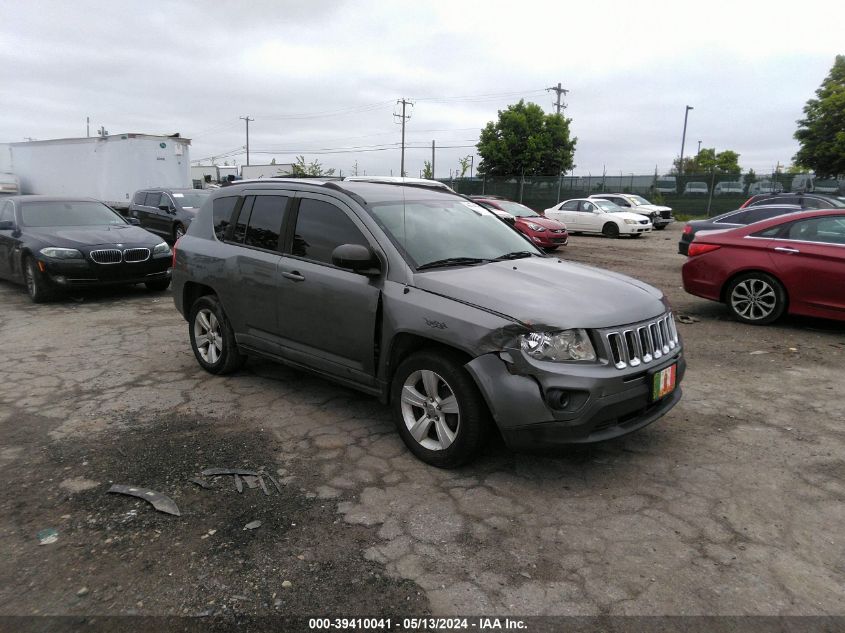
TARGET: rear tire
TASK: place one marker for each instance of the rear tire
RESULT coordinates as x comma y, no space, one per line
610,230
438,410
36,284
212,337
660,228
756,298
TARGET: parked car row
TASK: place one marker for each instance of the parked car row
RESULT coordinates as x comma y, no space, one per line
801,183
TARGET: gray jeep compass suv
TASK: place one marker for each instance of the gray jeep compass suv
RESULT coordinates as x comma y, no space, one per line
425,299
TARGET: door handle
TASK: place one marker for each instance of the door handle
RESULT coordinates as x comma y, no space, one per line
784,249
295,276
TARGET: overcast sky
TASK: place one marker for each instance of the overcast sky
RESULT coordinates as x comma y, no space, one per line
325,75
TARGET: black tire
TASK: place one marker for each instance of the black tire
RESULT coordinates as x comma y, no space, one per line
220,354
610,230
470,424
636,235
756,298
159,285
660,228
550,250
178,231
36,284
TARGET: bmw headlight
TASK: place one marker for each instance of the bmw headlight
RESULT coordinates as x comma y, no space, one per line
161,249
61,253
631,222
535,227
558,346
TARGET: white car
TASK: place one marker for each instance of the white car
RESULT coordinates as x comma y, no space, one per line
728,187
660,216
584,215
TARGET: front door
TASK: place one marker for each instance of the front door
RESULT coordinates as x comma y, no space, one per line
327,315
7,241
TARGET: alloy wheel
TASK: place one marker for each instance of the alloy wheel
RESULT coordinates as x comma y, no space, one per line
208,336
430,410
754,299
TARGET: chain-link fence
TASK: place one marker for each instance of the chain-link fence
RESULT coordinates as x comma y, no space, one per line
693,194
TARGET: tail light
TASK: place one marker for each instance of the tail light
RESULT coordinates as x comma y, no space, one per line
700,249
687,229
173,261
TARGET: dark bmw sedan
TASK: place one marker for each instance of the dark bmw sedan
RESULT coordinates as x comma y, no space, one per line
167,212
54,244
731,220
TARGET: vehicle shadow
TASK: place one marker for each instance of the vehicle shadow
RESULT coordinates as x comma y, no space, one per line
104,295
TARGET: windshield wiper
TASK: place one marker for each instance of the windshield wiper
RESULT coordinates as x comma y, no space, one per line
516,255
453,261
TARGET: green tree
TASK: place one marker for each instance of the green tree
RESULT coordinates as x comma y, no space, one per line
464,163
821,133
750,177
727,162
300,168
427,171
525,141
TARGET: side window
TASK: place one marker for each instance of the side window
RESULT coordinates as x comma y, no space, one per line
320,228
222,212
755,215
572,205
773,231
152,198
266,221
7,213
814,203
165,201
587,207
621,202
830,230
239,232
734,218
139,197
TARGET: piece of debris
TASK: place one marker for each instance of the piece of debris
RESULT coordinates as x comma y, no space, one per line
252,525
793,349
263,485
160,502
239,486
685,318
202,483
47,536
287,584
251,481
275,483
212,532
758,352
82,592
228,471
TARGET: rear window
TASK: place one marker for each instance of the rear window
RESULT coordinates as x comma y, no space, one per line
223,209
266,221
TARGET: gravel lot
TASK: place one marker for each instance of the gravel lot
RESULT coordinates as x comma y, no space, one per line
732,504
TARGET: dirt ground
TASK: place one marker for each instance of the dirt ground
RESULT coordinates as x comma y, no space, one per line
731,504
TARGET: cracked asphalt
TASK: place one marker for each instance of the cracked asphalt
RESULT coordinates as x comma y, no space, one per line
732,504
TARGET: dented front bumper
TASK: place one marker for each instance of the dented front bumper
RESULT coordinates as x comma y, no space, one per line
542,404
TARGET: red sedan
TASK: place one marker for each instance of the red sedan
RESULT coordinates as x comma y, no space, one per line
793,263
544,232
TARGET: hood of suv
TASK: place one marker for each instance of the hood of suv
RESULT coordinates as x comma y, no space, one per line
549,292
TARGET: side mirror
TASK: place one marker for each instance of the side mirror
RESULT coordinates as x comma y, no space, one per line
134,221
7,225
360,259
165,207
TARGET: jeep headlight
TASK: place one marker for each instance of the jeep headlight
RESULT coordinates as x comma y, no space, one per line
631,222
61,253
559,346
161,249
535,227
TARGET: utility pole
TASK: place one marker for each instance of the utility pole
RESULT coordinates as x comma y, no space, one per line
402,119
683,141
88,127
432,159
247,119
560,91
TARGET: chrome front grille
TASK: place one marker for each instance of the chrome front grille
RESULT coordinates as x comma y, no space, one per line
132,255
107,256
642,343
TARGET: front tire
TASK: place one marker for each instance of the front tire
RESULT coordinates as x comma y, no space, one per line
212,337
438,410
36,284
756,298
610,230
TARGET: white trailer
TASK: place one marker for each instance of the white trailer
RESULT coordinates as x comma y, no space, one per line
199,173
109,168
248,172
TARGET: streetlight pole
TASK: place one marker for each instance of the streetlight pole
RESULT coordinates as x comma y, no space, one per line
683,141
699,148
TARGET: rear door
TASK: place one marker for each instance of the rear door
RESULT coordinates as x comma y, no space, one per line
327,315
7,240
566,213
161,220
810,257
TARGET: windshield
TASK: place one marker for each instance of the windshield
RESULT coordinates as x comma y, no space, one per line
190,200
516,209
445,228
639,200
608,206
66,213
